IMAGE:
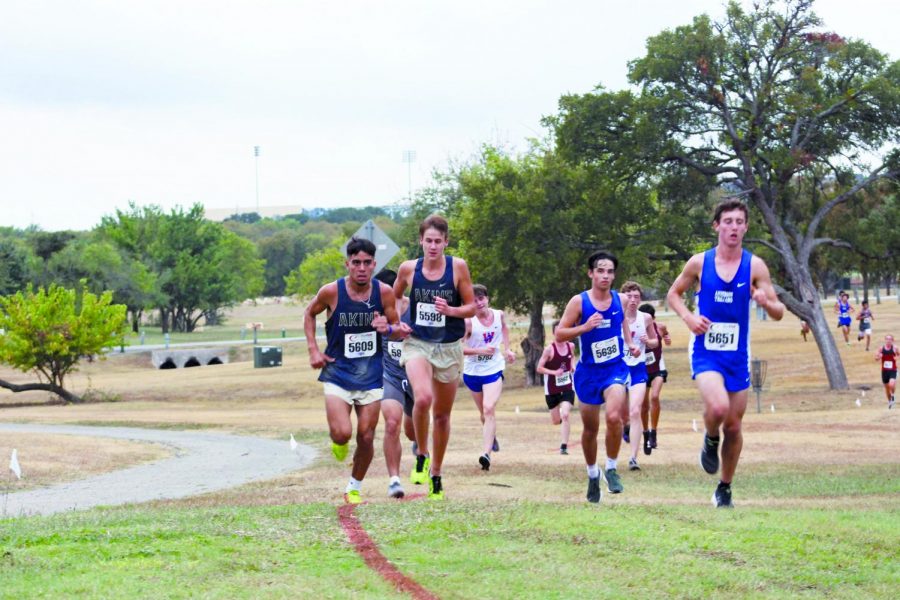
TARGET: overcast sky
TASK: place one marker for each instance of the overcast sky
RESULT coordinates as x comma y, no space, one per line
162,102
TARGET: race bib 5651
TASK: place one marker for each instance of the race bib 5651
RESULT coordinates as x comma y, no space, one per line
722,337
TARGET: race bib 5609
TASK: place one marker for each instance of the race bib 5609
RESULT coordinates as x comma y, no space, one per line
359,345
722,337
428,316
605,350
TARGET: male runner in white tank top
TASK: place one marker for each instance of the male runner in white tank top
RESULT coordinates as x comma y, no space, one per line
643,334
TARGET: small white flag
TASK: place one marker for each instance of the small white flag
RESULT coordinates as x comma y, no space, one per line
14,464
293,442
694,424
858,403
517,409
773,408
864,393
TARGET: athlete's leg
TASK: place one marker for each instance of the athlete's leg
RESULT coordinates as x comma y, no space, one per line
655,392
645,407
366,421
565,408
337,411
733,436
409,428
711,386
478,397
419,373
444,395
868,338
490,398
636,394
616,413
590,419
846,330
393,415
555,416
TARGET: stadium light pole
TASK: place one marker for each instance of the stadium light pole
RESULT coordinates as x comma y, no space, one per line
409,157
256,159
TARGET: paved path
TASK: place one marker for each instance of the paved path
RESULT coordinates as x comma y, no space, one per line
203,462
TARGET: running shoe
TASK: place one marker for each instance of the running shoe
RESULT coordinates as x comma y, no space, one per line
891,402
653,439
722,496
626,431
593,493
485,461
563,449
496,446
633,465
395,490
352,497
435,489
709,455
647,447
613,483
339,451
419,473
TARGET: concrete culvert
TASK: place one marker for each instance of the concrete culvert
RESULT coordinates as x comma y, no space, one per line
192,362
215,360
168,364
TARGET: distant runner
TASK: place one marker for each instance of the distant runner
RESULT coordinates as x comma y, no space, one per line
557,366
656,377
888,356
843,310
865,318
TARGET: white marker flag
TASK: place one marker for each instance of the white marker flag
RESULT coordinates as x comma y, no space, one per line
14,464
694,425
293,442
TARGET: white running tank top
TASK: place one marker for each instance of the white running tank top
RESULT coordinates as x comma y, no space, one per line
489,336
638,329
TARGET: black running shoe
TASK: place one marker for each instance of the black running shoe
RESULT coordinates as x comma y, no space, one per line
593,493
722,496
563,449
653,439
436,489
485,461
647,447
709,455
626,434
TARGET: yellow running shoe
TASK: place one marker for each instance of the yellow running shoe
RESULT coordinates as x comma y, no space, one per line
435,488
340,451
419,474
352,497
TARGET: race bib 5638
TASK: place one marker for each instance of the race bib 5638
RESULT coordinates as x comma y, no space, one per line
359,345
605,350
428,316
722,337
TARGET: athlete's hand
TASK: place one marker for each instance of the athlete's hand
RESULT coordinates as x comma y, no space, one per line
380,323
317,360
402,331
698,324
593,322
634,350
759,296
667,339
440,305
644,339
489,351
510,356
559,371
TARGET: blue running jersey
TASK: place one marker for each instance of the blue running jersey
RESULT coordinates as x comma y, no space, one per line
725,348
428,324
603,345
843,313
352,342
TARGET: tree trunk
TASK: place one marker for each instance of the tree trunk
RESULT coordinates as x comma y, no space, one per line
164,319
533,344
44,387
865,278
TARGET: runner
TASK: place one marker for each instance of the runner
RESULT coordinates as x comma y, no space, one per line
644,336
556,365
397,400
596,318
843,310
351,365
888,356
656,377
726,278
484,364
440,300
865,318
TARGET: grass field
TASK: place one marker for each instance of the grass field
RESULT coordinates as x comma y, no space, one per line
816,493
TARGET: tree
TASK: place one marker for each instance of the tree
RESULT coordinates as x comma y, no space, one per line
319,268
757,102
49,331
282,252
13,267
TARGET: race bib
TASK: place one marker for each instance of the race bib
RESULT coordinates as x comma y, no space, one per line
564,379
605,350
650,358
395,349
428,316
866,321
359,345
888,365
483,358
722,337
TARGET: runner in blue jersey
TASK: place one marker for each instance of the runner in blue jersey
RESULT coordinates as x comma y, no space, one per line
727,277
397,399
358,309
597,318
440,299
843,309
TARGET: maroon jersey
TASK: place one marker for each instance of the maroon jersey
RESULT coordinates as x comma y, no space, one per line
654,355
889,359
554,384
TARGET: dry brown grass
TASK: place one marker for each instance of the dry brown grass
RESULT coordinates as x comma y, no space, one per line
811,425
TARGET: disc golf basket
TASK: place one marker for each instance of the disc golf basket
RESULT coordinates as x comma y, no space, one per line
758,369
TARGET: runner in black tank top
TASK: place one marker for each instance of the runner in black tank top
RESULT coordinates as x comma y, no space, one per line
557,368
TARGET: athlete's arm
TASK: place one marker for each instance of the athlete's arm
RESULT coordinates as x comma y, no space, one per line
689,277
568,328
463,282
509,355
545,356
629,342
652,341
664,331
765,293
403,277
325,299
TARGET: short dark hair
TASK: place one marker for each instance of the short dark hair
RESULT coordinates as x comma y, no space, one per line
357,245
480,290
435,222
386,276
602,255
730,204
866,302
647,308
844,294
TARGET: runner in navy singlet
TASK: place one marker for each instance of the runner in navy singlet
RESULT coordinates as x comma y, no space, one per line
359,309
727,278
865,318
